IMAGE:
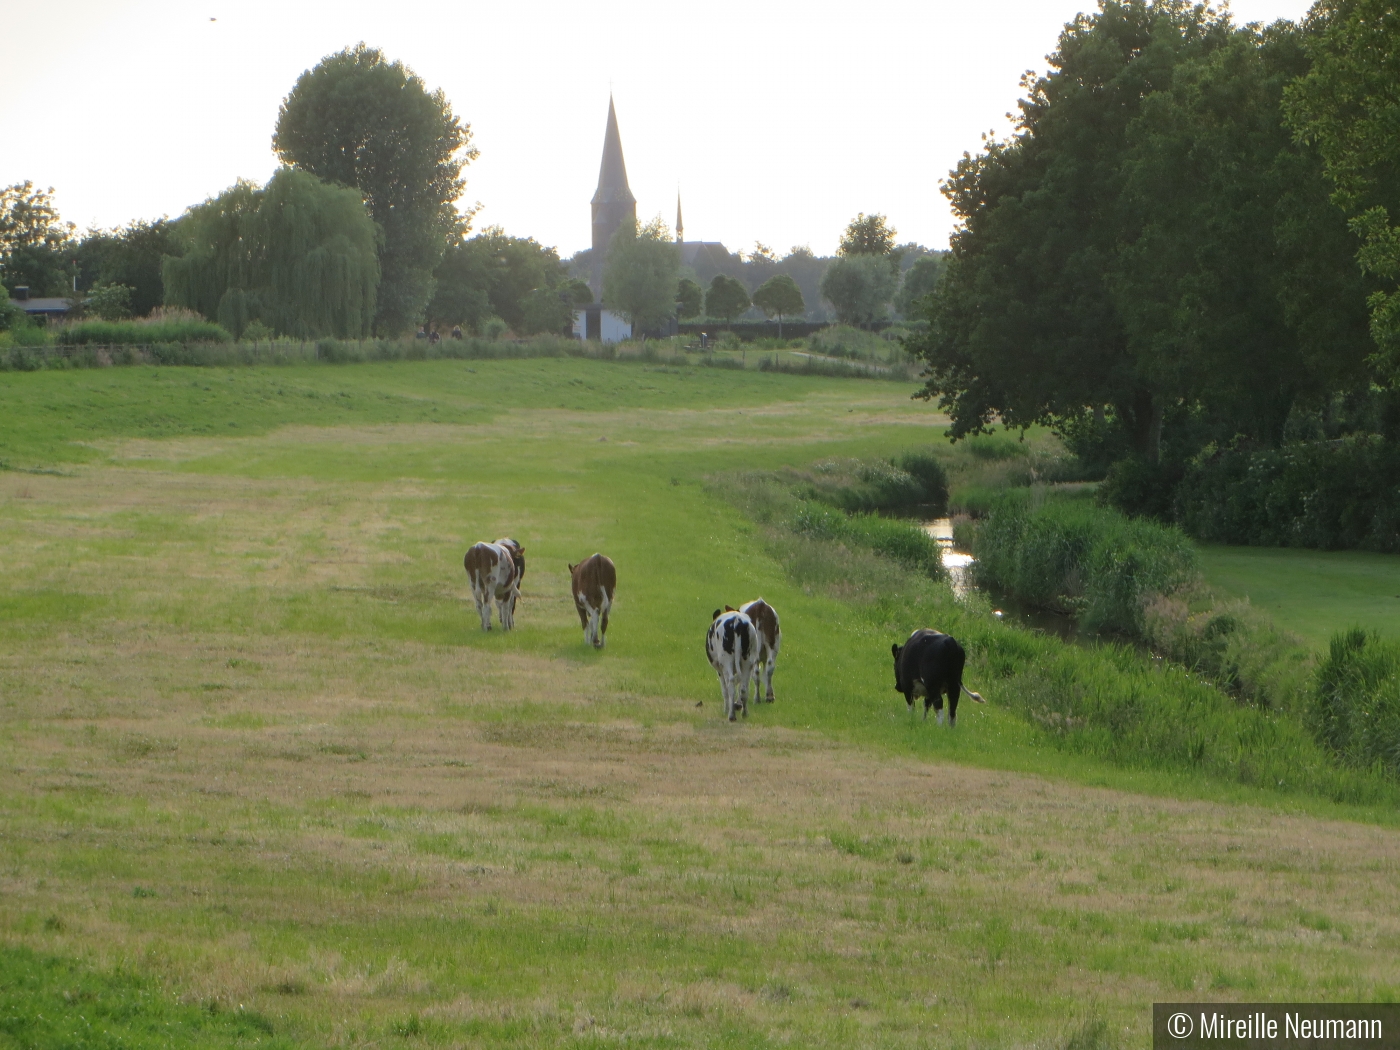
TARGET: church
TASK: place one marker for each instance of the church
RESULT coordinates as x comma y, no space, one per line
613,205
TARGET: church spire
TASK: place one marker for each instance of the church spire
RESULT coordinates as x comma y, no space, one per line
613,203
612,174
680,225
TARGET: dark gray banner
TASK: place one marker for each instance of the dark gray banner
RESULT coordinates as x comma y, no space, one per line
1276,1026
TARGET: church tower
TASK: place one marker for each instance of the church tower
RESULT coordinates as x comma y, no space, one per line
680,224
613,203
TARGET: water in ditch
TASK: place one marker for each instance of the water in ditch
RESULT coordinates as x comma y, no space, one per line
959,565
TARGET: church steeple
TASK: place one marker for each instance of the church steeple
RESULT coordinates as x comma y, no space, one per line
613,203
680,225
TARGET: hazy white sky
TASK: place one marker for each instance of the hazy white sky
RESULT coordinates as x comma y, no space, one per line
777,121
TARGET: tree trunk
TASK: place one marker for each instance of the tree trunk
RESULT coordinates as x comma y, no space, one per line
1144,418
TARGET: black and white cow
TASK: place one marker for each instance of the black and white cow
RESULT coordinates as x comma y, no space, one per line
930,664
495,571
732,646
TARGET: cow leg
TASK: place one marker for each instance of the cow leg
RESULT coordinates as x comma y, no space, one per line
934,700
593,636
769,666
727,683
483,608
953,705
744,693
603,625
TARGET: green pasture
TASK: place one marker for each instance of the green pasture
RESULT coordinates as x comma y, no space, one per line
263,781
1313,594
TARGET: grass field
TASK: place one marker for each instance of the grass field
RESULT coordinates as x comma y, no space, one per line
262,779
1313,594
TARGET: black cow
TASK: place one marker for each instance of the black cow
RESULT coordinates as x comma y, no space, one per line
930,664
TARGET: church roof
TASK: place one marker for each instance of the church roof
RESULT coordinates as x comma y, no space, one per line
612,176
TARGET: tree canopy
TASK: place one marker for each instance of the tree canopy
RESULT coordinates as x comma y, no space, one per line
868,235
514,278
779,297
1149,244
33,241
690,299
1348,106
299,256
726,299
919,281
859,286
643,275
363,121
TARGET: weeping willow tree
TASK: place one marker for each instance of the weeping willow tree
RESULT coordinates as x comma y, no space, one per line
300,256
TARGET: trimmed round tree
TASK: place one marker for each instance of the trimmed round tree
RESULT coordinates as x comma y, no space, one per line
726,299
778,297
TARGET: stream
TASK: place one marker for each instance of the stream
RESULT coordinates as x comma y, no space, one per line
1005,606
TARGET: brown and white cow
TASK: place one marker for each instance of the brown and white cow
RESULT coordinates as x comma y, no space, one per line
594,580
495,571
770,639
732,646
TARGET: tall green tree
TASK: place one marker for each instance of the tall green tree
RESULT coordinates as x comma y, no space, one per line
868,235
859,287
299,256
34,241
1348,106
514,278
919,281
726,299
779,297
130,256
642,275
361,120
1219,210
690,299
1024,326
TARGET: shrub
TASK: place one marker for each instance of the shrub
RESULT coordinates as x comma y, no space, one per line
118,333
1356,705
1330,495
1076,558
1141,488
913,484
905,543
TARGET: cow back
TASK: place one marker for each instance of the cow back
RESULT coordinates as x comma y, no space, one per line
517,557
765,619
593,579
930,657
732,641
481,561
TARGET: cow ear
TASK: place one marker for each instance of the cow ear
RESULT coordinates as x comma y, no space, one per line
730,608
895,650
715,614
571,568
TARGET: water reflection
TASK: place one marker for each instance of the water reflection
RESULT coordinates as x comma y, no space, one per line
958,563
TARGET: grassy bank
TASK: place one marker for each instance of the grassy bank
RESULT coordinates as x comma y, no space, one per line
253,750
1313,594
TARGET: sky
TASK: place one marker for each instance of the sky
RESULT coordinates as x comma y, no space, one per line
775,120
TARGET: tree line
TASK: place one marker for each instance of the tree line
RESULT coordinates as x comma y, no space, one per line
358,232
1186,244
